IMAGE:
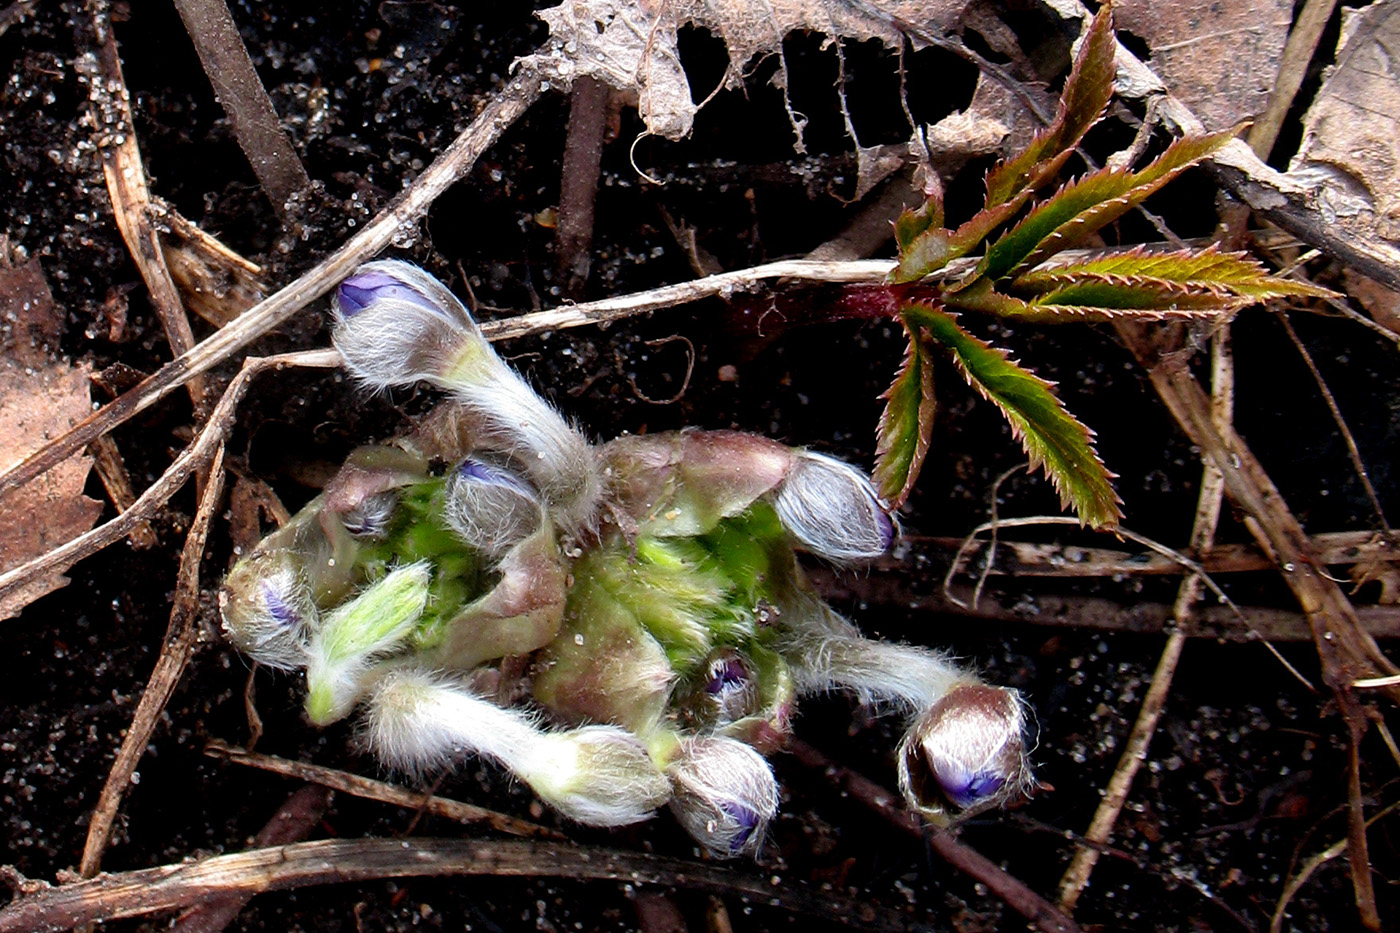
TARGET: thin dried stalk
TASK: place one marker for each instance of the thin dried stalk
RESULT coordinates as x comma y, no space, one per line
110,108
175,653
250,112
378,790
192,458
886,805
504,108
1208,503
41,908
294,820
1303,39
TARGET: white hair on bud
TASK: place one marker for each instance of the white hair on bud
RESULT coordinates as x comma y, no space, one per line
267,611
725,794
832,510
357,633
490,510
596,775
507,416
396,339
826,653
427,334
966,753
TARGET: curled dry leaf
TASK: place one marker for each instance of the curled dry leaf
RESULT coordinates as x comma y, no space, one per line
1351,134
1221,57
40,398
631,44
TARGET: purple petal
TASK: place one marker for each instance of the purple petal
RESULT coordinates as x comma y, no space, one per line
358,291
481,471
278,608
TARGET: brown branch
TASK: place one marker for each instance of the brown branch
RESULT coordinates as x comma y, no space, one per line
174,655
966,859
505,107
250,111
578,186
1135,617
1030,559
1208,503
380,791
109,104
1303,39
111,470
294,820
43,909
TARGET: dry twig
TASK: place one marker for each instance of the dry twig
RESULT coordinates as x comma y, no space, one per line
294,820
250,111
110,107
195,456
966,859
380,791
1212,496
41,908
174,655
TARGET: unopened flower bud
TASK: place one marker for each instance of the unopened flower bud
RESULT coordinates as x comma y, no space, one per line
725,794
371,517
832,510
966,753
598,775
267,610
356,633
396,325
489,507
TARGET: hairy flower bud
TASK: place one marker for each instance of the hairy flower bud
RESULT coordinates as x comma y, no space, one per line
356,633
397,325
267,610
489,507
597,775
967,751
725,794
832,510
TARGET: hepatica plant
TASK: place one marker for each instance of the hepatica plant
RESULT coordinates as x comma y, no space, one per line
622,626
1018,278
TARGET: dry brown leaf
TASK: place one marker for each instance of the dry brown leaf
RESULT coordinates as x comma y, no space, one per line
631,44
1220,57
40,398
1351,134
1383,304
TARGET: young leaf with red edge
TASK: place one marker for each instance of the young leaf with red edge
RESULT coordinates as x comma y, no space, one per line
1087,92
1102,298
906,423
1051,436
1211,268
1084,206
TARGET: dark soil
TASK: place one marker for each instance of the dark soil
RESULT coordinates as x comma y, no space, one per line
1246,776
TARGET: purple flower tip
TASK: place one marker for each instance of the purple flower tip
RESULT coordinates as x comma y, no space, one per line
746,820
357,292
968,790
278,608
482,471
726,674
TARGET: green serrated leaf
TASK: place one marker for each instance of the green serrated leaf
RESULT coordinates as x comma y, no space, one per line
906,424
1100,299
1233,274
1051,436
1083,206
917,220
1087,92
